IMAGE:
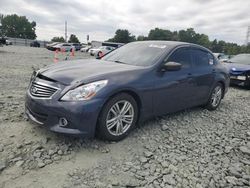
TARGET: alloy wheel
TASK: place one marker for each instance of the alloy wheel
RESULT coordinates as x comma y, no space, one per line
216,96
120,117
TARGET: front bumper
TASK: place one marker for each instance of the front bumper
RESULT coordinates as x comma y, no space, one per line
81,115
241,80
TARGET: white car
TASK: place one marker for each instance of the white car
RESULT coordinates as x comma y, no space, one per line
8,42
85,48
66,47
101,50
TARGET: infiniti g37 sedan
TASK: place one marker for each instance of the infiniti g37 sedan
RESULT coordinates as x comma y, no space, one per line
110,96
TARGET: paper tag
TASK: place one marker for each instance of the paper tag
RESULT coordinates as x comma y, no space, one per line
157,46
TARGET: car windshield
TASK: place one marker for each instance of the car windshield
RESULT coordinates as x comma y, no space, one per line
138,54
241,59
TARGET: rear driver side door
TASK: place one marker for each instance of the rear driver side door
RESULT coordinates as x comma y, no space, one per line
203,73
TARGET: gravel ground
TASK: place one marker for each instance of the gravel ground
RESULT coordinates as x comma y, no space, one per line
193,148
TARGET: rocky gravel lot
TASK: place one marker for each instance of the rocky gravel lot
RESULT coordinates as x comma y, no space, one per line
194,148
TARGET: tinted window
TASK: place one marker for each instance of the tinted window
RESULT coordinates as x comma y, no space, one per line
202,58
139,54
181,56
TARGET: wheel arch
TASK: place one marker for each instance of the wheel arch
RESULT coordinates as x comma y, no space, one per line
223,86
128,91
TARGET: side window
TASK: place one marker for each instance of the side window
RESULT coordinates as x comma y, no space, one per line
181,56
202,58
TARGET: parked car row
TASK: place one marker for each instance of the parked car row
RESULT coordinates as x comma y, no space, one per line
5,41
64,46
35,44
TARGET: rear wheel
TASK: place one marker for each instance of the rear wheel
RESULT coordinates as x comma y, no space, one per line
118,117
215,97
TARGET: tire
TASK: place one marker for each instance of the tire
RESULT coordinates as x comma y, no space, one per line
215,97
116,132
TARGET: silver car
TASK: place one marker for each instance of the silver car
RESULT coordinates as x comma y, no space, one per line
101,51
66,47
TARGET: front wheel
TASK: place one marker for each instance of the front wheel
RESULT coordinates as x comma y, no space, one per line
118,117
215,97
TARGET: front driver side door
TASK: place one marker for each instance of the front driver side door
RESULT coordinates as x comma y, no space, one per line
174,90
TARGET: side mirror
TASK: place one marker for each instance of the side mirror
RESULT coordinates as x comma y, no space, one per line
171,66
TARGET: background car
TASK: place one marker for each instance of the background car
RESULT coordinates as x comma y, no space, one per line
8,42
51,45
222,57
77,46
239,67
66,47
85,48
108,97
35,44
2,41
101,49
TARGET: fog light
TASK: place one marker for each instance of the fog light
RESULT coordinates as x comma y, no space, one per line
63,122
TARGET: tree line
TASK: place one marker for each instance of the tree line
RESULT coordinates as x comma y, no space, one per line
188,35
20,27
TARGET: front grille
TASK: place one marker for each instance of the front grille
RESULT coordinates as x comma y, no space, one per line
41,90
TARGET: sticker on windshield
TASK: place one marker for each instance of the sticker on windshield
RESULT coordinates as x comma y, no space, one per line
157,46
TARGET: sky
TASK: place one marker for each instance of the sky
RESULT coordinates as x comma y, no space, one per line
221,19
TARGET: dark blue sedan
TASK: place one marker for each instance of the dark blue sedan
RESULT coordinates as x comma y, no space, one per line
239,67
110,96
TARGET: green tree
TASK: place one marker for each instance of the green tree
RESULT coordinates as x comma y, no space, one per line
58,39
73,39
202,39
188,35
122,36
160,34
141,38
18,27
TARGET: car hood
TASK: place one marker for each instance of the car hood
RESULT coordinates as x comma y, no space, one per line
70,72
236,68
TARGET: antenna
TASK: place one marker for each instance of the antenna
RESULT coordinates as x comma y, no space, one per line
248,36
66,31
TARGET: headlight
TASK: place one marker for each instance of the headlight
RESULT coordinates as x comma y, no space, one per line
84,92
